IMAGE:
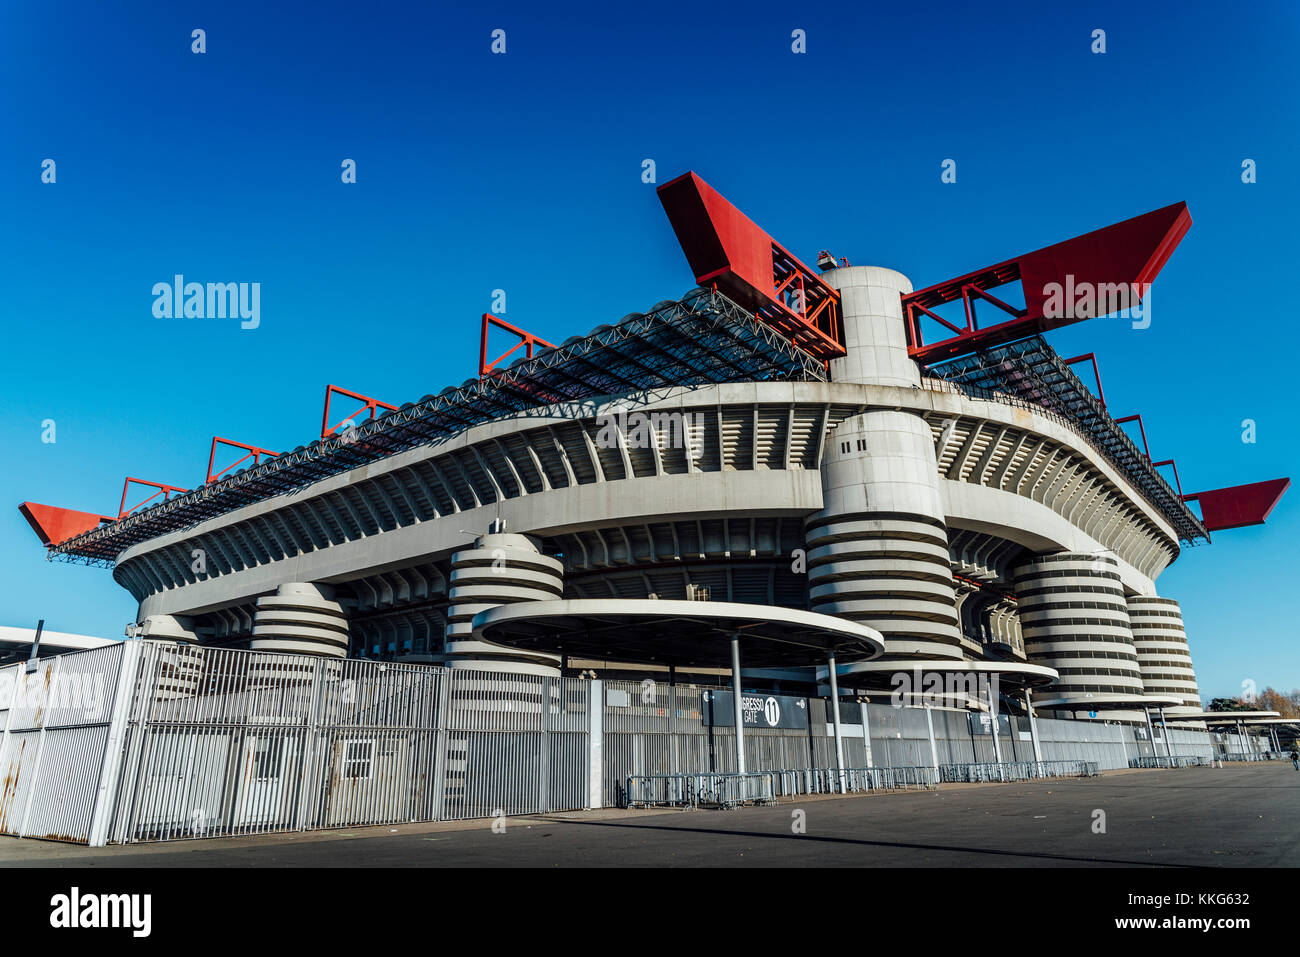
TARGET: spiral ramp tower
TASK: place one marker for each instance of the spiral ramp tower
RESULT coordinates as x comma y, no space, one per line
1075,619
1162,652
500,569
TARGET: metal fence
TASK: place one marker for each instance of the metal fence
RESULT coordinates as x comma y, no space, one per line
145,741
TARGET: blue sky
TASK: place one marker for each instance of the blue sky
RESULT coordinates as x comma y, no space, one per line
523,172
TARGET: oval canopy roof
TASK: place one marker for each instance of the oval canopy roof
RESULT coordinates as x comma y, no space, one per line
1098,701
678,633
1017,674
1245,717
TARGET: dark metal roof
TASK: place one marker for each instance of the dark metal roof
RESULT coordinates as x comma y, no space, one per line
1031,370
702,338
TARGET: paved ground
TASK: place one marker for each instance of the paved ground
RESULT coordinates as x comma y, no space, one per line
1246,815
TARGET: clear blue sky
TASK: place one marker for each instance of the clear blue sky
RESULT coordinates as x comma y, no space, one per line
523,172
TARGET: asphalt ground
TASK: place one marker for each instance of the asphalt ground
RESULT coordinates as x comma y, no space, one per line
1243,815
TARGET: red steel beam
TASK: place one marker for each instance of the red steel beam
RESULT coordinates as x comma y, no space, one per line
1122,259
728,251
1239,505
526,341
1096,371
370,407
249,450
1138,419
1170,463
164,490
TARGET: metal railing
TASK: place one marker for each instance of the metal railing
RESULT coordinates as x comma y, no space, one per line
1257,756
793,782
732,790
1007,771
701,789
1170,761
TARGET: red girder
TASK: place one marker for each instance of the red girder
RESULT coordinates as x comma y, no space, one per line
370,407
163,489
1170,463
728,251
1126,256
249,451
1146,449
527,341
1096,371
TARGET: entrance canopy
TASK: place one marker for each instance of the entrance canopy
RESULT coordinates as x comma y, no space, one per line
1107,702
1239,717
1014,675
677,633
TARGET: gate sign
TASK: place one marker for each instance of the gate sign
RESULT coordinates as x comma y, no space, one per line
757,710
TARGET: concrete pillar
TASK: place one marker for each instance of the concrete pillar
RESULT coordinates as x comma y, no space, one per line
835,722
1033,729
596,744
737,705
934,748
993,723
866,730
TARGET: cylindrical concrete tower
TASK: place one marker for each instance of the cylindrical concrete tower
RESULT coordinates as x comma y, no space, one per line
303,619
1161,645
167,628
878,550
874,333
1075,619
501,568
180,671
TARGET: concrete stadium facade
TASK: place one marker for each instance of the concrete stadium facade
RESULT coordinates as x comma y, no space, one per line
962,528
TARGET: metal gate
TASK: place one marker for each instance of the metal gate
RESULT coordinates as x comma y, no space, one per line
56,729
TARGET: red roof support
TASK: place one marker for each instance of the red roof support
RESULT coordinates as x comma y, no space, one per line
1138,419
164,490
371,408
1096,371
526,340
728,251
250,450
1122,259
1239,505
1170,463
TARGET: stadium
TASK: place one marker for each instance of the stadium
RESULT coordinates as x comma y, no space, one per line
898,506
